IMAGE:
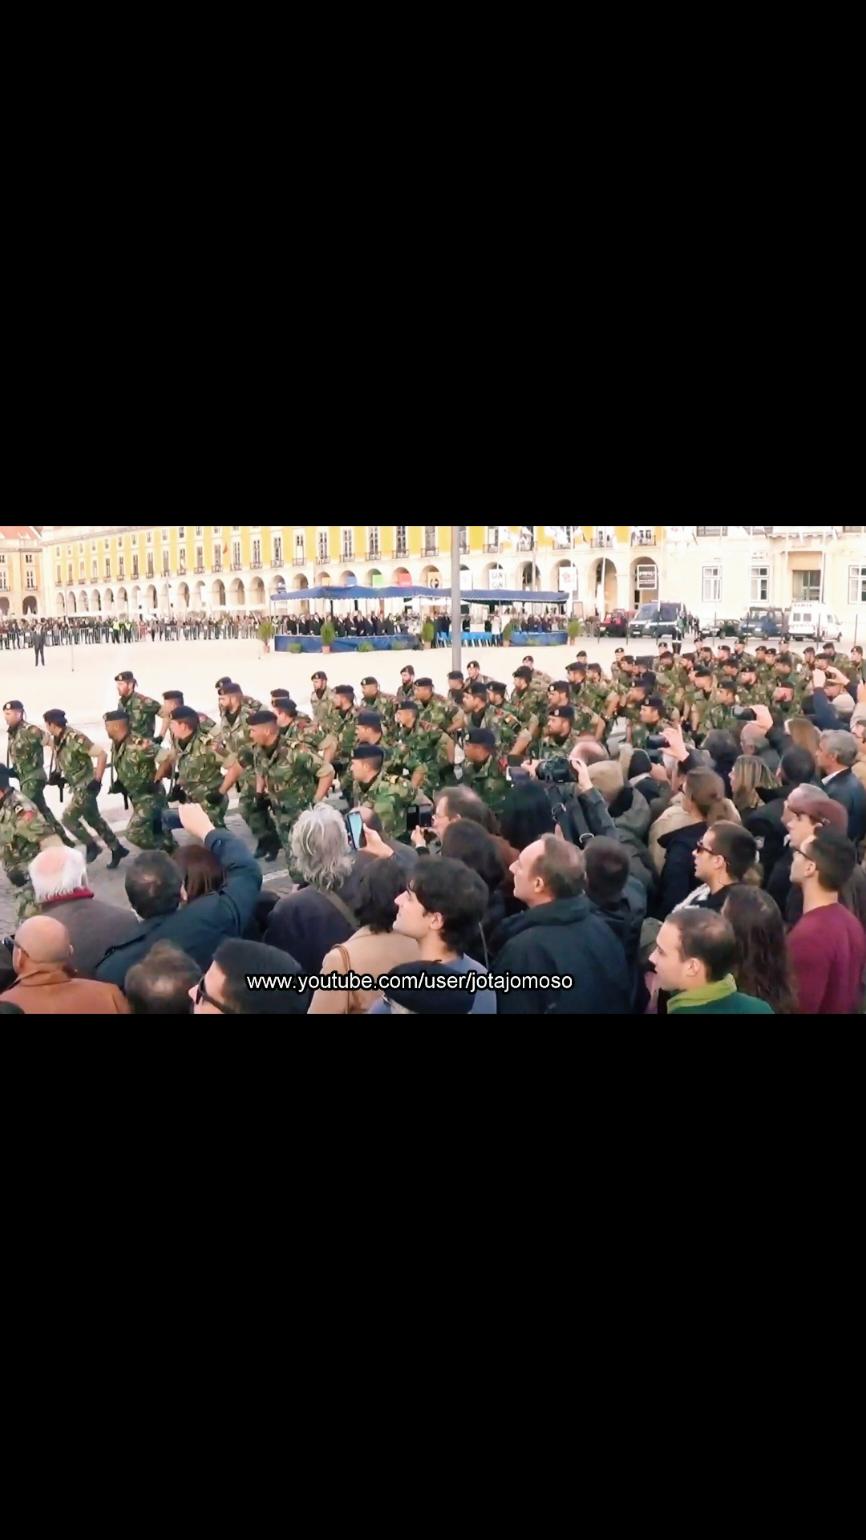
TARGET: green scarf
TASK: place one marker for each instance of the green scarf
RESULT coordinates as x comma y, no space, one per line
707,994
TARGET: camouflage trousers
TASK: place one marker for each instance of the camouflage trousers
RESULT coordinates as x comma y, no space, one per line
35,790
83,815
26,906
258,820
285,819
144,829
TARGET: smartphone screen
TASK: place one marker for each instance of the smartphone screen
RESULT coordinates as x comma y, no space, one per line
425,817
355,825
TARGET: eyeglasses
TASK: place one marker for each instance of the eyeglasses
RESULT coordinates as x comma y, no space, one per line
707,849
202,997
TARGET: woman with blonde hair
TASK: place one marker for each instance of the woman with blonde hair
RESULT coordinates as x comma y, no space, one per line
749,773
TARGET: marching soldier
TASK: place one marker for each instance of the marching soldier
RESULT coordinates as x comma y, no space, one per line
72,761
483,771
345,727
322,701
235,741
425,752
388,795
375,700
439,711
23,833
561,734
171,699
513,736
524,704
26,758
290,777
141,710
474,674
250,702
133,767
406,687
198,765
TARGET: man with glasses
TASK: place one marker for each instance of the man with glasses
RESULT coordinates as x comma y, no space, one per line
224,990
722,857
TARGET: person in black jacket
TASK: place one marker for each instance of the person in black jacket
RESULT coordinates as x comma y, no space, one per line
559,935
618,897
154,887
766,823
837,752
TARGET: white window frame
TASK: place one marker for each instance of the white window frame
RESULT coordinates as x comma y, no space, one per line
857,583
711,583
759,577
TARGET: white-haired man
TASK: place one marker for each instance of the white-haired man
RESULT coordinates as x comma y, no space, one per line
59,879
309,922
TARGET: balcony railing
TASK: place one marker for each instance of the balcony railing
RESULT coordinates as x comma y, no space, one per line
640,538
199,571
217,567
297,561
374,555
493,548
255,566
431,550
602,542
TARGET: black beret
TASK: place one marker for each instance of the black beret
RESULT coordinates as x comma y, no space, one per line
479,690
496,684
261,718
185,714
409,705
425,684
407,668
319,674
523,673
221,683
370,719
345,689
13,705
281,694
482,735
173,695
55,716
563,711
656,702
126,677
368,751
456,673
115,716
576,667
369,680
229,688
560,684
284,703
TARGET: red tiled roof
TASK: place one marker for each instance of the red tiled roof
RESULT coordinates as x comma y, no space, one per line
18,531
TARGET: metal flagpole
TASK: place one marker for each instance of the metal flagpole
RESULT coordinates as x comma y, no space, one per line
456,617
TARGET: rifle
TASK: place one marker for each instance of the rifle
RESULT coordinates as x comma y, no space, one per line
117,789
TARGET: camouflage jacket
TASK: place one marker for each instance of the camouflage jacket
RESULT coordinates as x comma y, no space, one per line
346,729
439,712
23,832
234,739
525,708
386,705
505,725
389,796
290,773
304,730
199,766
248,704
489,780
323,707
550,748
73,757
420,747
133,763
142,713
27,752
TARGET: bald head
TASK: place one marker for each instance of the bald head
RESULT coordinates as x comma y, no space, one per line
43,941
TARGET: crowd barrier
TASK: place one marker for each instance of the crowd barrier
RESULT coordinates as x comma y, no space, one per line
348,643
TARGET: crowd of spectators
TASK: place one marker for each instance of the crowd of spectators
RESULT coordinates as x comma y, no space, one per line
725,877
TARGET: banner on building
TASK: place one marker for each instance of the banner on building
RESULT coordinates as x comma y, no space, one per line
647,577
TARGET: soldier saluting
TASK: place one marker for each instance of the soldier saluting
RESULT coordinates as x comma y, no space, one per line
72,761
26,758
141,710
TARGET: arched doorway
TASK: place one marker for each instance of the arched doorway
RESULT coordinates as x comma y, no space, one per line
299,581
122,602
278,582
565,578
604,586
257,594
530,575
493,575
348,580
82,603
402,577
71,605
200,596
465,579
237,594
375,578
323,580
150,599
30,605
4,605
183,597
96,602
61,604
218,595
109,601
644,585
431,577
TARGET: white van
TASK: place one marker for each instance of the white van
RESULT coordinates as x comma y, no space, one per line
814,620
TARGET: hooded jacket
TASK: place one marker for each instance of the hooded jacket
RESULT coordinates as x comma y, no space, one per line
567,938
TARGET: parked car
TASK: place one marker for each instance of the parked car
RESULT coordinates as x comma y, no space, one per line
762,620
615,623
717,627
659,620
814,620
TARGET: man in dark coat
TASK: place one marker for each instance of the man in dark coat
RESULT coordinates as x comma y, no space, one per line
561,935
154,887
837,752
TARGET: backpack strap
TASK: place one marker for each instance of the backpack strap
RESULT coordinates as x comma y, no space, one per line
341,906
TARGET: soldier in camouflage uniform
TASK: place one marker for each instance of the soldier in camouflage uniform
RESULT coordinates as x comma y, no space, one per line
483,772
388,795
651,720
345,726
72,759
425,751
560,736
752,692
133,767
23,833
26,758
406,687
199,766
439,711
297,728
370,730
475,705
474,674
141,710
171,699
525,705
290,776
322,701
374,700
541,682
234,739
513,737
249,702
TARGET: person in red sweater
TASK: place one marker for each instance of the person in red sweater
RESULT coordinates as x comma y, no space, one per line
828,946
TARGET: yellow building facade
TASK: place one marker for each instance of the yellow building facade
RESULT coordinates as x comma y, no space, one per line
136,569
21,575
